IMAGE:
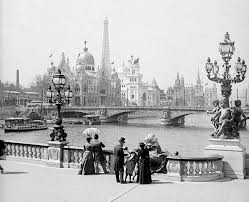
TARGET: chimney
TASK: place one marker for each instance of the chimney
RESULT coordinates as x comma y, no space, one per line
17,79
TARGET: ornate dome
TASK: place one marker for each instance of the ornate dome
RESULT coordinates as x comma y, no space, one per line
85,58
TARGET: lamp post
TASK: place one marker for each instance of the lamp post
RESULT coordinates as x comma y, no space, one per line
226,49
58,98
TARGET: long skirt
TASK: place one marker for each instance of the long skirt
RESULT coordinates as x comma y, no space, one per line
144,174
87,165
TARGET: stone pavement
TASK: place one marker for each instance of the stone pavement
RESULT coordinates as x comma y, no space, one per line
34,183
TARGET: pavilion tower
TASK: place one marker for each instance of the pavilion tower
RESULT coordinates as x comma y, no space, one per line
105,60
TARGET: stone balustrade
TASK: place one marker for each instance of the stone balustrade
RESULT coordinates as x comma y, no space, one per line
26,152
178,167
195,168
40,154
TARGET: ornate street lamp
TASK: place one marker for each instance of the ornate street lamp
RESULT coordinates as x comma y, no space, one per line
59,82
226,49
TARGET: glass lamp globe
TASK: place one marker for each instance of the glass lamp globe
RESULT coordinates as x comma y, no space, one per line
216,67
68,94
59,80
227,48
209,66
49,93
238,66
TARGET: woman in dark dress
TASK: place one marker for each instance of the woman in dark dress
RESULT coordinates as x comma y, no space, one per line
144,173
87,165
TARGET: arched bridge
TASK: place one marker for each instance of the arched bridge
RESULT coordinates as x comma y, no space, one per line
113,114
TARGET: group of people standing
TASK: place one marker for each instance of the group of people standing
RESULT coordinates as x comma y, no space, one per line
93,156
136,163
139,158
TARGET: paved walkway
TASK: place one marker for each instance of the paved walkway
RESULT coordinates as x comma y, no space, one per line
33,183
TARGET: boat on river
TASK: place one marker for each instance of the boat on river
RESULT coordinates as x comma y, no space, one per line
20,124
173,122
91,119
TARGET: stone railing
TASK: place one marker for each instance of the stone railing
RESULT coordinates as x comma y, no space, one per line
46,155
197,169
26,152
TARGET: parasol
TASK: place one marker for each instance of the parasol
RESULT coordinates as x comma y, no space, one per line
91,132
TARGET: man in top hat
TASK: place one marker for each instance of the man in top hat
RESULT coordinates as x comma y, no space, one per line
99,157
119,160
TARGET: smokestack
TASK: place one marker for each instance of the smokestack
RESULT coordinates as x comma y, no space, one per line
17,79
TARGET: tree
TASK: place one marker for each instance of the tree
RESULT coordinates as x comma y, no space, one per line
41,83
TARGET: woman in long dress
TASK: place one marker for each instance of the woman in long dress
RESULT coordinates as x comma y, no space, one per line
144,173
87,165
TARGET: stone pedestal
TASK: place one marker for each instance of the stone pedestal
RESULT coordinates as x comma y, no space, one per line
234,156
55,153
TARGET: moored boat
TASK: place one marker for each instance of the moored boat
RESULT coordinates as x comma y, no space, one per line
19,124
172,122
91,119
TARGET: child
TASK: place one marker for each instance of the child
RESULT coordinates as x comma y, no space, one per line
131,160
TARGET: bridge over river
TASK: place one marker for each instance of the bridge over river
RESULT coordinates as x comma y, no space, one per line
115,114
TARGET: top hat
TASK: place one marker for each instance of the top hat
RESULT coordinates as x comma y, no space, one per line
122,139
141,144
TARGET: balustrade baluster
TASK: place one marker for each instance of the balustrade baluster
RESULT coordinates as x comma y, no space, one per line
21,151
38,152
76,157
13,149
208,167
9,149
29,152
212,170
197,168
202,168
80,154
191,169
185,167
25,148
17,150
71,155
34,154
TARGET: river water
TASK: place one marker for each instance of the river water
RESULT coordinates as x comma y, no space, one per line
189,140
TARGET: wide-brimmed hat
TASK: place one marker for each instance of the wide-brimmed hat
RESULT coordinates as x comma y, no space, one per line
122,139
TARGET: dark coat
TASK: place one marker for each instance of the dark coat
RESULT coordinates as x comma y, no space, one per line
144,173
118,158
98,152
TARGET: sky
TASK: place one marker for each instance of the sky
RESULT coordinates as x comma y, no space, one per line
169,36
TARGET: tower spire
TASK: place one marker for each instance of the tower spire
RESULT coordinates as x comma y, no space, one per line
198,81
105,61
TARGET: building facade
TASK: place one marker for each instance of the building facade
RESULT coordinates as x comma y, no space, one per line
210,95
91,86
182,95
133,90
